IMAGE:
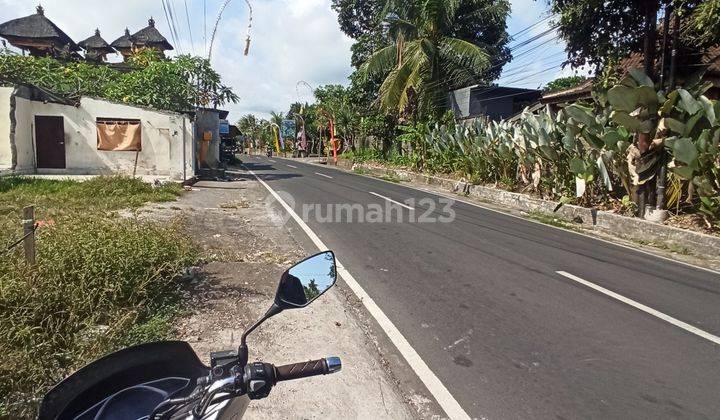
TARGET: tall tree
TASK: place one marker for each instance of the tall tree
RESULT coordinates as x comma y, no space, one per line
482,22
426,59
598,32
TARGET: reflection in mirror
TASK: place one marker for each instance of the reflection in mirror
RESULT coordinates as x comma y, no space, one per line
306,281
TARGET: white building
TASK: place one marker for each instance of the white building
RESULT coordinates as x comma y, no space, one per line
44,134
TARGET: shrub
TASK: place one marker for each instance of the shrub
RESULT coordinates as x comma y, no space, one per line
96,281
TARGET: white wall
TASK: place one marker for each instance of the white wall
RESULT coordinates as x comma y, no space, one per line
5,152
24,136
166,139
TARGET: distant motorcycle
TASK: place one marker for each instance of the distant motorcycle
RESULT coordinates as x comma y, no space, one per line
269,153
166,380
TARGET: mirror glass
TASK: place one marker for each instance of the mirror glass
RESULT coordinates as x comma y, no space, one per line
307,280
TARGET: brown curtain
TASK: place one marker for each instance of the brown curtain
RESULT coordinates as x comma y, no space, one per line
119,136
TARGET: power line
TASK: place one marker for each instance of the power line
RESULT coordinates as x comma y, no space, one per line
205,26
171,11
532,26
187,15
167,19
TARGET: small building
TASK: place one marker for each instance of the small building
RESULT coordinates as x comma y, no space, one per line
558,98
42,133
207,133
150,37
96,48
124,44
492,102
39,36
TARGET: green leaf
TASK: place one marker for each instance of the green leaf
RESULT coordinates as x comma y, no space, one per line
685,151
642,78
688,103
577,166
624,119
623,98
685,172
581,114
709,110
674,125
668,106
611,138
647,97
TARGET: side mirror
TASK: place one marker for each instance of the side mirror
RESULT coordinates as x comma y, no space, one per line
299,287
306,281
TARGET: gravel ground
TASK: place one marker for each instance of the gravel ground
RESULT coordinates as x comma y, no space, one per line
248,249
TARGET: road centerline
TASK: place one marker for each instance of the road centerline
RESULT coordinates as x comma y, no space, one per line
291,166
392,201
667,318
323,175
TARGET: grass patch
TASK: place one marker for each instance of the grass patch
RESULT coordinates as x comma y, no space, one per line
101,282
360,171
552,220
667,246
390,178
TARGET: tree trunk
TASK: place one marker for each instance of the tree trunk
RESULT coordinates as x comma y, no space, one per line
650,48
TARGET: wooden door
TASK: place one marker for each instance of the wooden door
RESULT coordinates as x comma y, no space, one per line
50,142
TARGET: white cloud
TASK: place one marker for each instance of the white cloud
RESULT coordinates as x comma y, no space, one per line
292,40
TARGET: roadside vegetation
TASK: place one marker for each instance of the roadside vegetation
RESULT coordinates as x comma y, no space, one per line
148,80
646,141
101,282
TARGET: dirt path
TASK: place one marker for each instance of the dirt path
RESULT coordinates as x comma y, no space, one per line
250,250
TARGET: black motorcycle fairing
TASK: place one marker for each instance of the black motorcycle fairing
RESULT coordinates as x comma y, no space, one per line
119,371
136,402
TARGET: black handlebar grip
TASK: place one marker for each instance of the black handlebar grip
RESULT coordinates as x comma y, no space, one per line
301,370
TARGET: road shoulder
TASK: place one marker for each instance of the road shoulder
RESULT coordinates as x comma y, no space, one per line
249,249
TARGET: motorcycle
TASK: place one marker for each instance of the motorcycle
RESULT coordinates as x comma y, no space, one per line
166,380
269,153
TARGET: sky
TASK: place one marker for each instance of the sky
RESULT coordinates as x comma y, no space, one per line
292,41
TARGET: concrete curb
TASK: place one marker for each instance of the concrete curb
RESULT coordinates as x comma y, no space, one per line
624,227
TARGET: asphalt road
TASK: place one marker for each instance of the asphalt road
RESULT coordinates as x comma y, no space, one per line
481,301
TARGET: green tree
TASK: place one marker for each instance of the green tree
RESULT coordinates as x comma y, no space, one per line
598,32
337,102
426,60
178,85
563,83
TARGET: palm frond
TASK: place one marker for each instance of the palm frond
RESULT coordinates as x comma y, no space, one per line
380,62
465,53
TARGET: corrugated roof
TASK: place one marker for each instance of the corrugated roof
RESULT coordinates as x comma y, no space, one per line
36,26
150,36
582,90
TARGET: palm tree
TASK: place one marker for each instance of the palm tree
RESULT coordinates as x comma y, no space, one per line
424,61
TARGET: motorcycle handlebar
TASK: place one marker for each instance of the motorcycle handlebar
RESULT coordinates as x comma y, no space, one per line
307,369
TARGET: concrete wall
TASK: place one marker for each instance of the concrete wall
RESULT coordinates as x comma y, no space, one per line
5,150
167,139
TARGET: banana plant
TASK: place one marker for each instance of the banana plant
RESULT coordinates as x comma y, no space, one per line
694,128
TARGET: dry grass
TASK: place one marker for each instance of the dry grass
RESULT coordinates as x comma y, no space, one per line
101,282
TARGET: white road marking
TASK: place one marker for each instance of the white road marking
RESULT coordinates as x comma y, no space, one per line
667,318
460,200
326,176
291,166
273,161
434,385
391,200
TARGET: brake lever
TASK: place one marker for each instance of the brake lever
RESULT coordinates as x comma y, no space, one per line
228,384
